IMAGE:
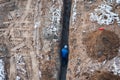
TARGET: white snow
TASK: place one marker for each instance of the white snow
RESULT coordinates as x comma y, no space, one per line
56,14
108,1
55,18
36,24
103,15
53,1
40,74
104,62
47,58
20,59
18,78
20,64
2,70
52,28
116,65
111,1
118,1
74,11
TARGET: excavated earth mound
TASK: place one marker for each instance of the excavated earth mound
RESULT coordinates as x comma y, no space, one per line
101,45
98,75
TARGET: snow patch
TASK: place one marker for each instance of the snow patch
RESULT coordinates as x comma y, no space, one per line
112,1
20,64
36,24
94,66
18,78
116,66
53,1
103,15
118,1
40,74
108,1
47,58
74,11
56,14
54,26
2,70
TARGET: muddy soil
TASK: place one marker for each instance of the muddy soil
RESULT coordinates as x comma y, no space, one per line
102,45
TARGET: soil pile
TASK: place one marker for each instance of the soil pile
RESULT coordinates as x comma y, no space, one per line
102,44
98,75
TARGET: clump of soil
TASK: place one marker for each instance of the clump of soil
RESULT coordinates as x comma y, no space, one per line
102,44
98,75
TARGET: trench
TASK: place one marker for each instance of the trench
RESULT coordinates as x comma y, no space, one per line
65,35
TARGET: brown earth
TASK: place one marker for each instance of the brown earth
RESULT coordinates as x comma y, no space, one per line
102,75
102,45
34,51
25,49
80,26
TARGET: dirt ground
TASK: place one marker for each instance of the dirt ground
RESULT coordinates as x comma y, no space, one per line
25,26
99,75
102,44
30,33
81,55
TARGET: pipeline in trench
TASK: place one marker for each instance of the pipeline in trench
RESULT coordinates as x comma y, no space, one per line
65,36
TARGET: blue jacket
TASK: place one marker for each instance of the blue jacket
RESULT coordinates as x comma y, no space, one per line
64,52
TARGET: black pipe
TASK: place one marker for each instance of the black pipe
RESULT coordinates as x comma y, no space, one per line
65,36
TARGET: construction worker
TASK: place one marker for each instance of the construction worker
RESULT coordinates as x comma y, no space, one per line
64,54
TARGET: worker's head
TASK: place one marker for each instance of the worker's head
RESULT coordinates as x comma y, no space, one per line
65,46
